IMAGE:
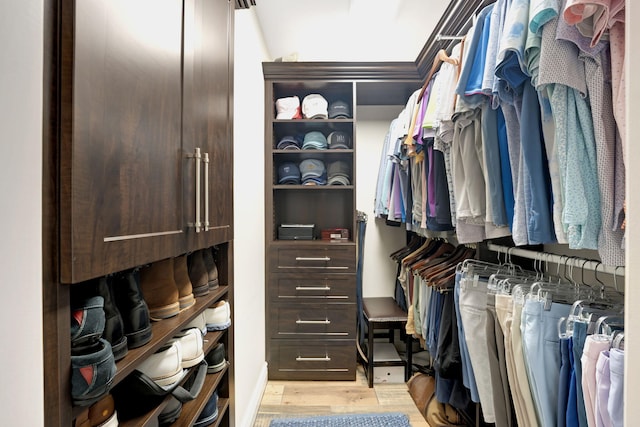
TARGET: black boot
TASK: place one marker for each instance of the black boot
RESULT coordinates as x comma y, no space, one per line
114,327
133,308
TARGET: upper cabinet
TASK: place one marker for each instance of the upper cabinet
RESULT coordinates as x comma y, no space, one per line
145,134
208,77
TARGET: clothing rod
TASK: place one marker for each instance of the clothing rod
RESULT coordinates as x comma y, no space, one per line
441,37
576,262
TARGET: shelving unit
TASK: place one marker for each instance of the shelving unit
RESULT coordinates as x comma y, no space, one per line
310,283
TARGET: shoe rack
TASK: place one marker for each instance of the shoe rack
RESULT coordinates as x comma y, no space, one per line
134,172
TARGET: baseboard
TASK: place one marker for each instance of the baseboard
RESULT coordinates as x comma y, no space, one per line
251,411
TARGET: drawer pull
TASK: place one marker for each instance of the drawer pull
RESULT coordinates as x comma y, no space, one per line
313,359
322,258
313,288
313,322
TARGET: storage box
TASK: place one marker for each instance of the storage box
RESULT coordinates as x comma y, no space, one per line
296,231
339,234
386,352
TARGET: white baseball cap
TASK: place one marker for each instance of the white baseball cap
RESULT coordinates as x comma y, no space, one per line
314,106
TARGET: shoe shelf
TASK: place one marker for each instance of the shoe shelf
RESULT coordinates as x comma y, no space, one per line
190,410
162,331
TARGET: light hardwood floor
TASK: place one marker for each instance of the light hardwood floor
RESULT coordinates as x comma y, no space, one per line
307,398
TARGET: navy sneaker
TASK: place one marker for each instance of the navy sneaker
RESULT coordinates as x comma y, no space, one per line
209,414
87,320
92,371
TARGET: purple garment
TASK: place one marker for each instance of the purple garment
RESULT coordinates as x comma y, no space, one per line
431,183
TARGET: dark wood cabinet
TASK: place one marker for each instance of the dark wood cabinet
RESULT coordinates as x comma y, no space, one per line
208,76
311,302
146,132
141,168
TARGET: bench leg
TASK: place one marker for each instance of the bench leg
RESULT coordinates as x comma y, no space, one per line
370,334
408,369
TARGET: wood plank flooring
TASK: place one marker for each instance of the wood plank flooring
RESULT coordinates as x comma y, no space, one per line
307,398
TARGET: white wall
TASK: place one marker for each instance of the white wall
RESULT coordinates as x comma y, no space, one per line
379,271
248,193
632,291
21,30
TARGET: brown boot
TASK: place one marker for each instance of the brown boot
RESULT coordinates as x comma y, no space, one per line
212,269
181,276
159,289
198,274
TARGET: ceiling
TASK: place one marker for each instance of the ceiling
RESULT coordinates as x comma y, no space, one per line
348,30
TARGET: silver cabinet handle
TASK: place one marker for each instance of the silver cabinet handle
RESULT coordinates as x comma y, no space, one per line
323,258
313,288
198,158
313,322
313,359
205,161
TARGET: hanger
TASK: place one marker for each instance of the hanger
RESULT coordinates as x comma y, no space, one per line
441,56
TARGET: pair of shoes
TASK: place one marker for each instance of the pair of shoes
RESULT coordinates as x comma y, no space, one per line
210,412
212,268
203,271
200,322
93,365
218,316
164,366
133,308
167,287
92,371
101,414
215,359
192,345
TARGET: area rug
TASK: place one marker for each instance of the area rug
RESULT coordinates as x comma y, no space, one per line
350,420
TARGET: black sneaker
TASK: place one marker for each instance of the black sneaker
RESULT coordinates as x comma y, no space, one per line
215,359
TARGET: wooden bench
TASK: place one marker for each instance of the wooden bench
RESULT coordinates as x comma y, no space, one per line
385,313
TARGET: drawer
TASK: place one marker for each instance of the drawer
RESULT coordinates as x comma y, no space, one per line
313,321
313,288
312,360
334,258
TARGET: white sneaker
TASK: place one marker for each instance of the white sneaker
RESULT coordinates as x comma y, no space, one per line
218,316
199,322
192,347
164,366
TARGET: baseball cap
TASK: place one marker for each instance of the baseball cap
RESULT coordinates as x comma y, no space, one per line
288,142
314,140
314,106
339,110
288,173
339,139
313,172
288,108
338,173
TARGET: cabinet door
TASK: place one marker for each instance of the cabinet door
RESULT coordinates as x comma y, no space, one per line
207,122
121,135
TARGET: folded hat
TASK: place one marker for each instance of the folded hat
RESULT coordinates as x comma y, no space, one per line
288,143
288,173
314,140
312,169
339,110
338,173
288,108
314,106
339,139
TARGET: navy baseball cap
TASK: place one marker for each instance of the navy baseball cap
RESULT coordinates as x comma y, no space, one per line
288,173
